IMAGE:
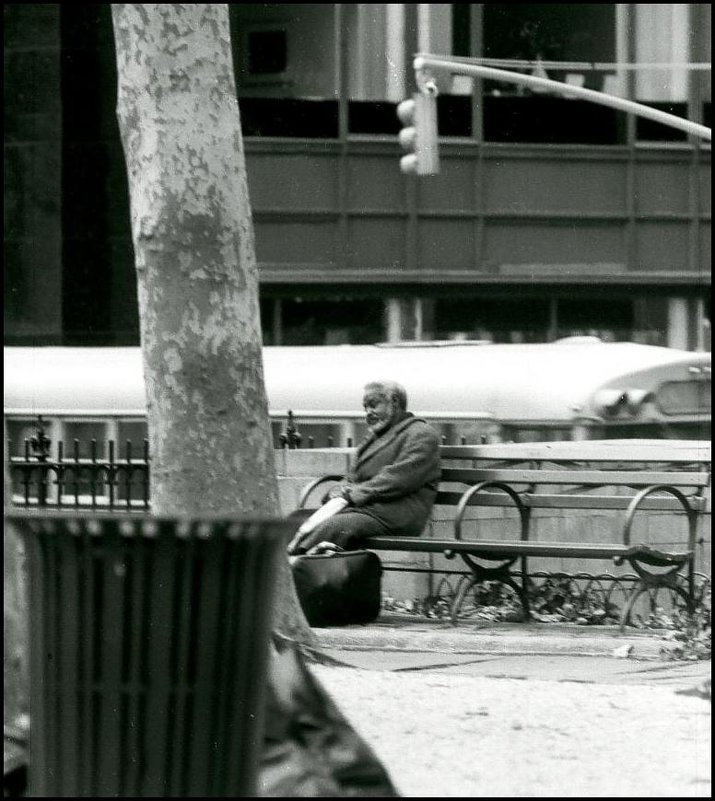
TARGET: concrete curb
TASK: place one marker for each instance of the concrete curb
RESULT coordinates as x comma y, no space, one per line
511,639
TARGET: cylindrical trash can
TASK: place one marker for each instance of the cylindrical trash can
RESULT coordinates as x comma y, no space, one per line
148,652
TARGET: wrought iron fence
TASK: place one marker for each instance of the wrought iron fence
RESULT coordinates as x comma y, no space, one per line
72,480
94,474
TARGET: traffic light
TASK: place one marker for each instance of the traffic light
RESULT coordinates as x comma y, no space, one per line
418,137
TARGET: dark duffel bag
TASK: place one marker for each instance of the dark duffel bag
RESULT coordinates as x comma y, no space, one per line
337,588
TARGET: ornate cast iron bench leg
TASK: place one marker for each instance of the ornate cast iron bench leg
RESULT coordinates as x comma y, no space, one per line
643,555
480,575
502,573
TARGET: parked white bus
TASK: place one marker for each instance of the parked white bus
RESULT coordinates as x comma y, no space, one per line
578,388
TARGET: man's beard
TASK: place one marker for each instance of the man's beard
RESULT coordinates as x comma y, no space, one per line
378,427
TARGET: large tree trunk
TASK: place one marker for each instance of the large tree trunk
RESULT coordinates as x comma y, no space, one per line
209,428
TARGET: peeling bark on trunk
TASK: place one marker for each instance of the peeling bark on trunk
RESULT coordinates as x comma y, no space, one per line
209,428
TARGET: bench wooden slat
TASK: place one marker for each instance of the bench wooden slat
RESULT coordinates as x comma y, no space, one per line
508,549
653,504
640,478
557,501
674,452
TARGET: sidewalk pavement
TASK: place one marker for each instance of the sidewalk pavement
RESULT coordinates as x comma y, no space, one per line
549,651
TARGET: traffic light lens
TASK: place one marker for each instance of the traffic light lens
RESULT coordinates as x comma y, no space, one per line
408,138
406,111
408,164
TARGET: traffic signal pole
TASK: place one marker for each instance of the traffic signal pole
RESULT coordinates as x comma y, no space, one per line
424,64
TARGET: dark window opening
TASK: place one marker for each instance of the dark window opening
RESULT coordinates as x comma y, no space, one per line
544,119
651,131
267,52
512,433
454,116
508,321
664,430
610,319
461,29
373,117
289,117
337,320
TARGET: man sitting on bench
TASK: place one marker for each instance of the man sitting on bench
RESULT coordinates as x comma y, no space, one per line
393,482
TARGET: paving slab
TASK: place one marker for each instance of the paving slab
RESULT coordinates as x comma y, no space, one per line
586,669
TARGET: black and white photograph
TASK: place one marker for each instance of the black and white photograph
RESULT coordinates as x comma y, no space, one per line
357,407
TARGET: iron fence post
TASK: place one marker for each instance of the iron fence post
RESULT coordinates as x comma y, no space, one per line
291,437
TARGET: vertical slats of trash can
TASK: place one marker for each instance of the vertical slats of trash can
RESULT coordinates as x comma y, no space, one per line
88,594
181,612
151,655
202,661
132,678
66,638
225,670
241,680
41,729
55,622
107,700
247,685
158,605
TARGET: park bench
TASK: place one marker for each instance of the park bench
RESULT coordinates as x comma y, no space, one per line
624,477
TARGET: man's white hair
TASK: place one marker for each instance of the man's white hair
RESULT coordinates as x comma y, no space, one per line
391,390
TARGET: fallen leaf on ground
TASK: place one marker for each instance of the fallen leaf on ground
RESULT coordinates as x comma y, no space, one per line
623,651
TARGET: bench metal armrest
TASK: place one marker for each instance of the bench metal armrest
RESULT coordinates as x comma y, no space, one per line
469,494
635,503
316,483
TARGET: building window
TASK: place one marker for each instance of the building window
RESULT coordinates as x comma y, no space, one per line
550,32
267,52
461,30
492,319
263,56
611,320
328,320
542,319
662,37
286,69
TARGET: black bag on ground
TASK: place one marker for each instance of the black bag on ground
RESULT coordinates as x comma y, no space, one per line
338,587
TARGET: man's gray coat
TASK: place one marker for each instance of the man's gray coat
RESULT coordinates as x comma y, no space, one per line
394,477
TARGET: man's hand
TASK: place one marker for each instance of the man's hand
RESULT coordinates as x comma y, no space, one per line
338,491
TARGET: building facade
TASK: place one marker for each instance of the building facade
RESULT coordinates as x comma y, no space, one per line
550,216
